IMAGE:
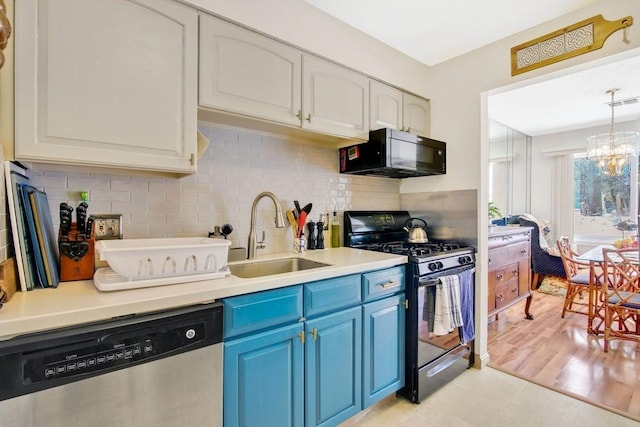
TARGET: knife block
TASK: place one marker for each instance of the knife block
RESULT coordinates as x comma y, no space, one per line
77,256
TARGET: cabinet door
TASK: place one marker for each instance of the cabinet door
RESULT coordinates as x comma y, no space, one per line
416,115
335,100
383,346
246,73
385,106
109,83
263,379
333,367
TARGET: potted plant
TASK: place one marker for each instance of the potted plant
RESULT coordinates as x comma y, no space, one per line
494,212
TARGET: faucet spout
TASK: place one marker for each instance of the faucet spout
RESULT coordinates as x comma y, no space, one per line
279,220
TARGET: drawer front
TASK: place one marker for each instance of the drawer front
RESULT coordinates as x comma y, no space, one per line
331,294
252,312
508,239
506,292
506,273
498,257
376,284
519,251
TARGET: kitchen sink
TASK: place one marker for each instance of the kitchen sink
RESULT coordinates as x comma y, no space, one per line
277,266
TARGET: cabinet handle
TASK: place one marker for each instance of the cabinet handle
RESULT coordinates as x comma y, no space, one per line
406,304
301,335
314,333
309,117
500,297
523,251
499,276
299,114
514,291
514,272
192,159
391,284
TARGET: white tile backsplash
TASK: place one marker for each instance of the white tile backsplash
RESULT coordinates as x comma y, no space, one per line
237,166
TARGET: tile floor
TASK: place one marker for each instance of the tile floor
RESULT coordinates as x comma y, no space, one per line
487,398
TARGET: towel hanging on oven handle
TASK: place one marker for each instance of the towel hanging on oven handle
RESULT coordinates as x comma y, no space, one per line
434,278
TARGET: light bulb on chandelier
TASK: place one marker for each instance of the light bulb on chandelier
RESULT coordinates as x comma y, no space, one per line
612,151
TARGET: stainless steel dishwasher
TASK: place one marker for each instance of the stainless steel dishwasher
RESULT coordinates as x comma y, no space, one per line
162,369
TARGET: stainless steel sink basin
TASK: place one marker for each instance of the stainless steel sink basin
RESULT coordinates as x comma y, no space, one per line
277,266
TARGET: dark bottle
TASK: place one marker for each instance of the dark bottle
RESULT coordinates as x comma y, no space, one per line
311,239
320,239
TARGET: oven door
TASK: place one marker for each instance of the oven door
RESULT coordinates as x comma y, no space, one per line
433,359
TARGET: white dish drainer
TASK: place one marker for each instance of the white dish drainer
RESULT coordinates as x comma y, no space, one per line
136,263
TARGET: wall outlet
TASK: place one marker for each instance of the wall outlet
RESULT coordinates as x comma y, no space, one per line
108,226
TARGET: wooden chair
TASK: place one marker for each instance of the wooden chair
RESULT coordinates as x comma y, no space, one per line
579,276
621,295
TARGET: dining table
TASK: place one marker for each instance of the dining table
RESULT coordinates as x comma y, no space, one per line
595,257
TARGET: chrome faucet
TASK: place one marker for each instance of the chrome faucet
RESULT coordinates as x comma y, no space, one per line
252,231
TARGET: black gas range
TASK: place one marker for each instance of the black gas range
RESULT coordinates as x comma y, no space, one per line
433,355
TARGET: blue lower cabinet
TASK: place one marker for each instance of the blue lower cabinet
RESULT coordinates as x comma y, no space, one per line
313,354
333,367
383,343
263,379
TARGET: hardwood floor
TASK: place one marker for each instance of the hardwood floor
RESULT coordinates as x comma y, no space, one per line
559,354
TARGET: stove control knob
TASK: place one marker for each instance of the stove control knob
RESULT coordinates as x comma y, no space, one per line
433,266
440,265
464,259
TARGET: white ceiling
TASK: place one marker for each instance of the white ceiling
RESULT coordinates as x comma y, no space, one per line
416,28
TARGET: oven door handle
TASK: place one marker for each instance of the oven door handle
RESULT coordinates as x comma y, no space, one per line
434,278
447,361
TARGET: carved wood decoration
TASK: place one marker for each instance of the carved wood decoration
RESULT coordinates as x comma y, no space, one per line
574,40
5,30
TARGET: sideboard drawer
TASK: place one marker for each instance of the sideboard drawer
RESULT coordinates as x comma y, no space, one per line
506,292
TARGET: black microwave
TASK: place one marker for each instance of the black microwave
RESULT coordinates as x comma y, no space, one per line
395,154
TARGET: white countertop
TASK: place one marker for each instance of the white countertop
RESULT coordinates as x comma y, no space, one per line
73,303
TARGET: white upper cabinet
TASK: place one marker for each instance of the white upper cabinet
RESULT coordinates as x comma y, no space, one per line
335,99
393,108
386,106
107,83
416,114
246,73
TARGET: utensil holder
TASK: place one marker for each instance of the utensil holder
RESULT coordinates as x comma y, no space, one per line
77,256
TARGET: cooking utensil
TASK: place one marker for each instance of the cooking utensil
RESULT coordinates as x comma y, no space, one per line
307,208
298,210
301,220
416,233
293,222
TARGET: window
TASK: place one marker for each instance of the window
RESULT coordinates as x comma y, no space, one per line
605,207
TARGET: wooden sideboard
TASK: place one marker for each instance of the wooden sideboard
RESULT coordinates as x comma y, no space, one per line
509,268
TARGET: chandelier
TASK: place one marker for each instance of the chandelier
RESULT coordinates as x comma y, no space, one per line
611,151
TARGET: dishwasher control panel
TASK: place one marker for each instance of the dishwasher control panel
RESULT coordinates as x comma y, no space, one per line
39,361
110,352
